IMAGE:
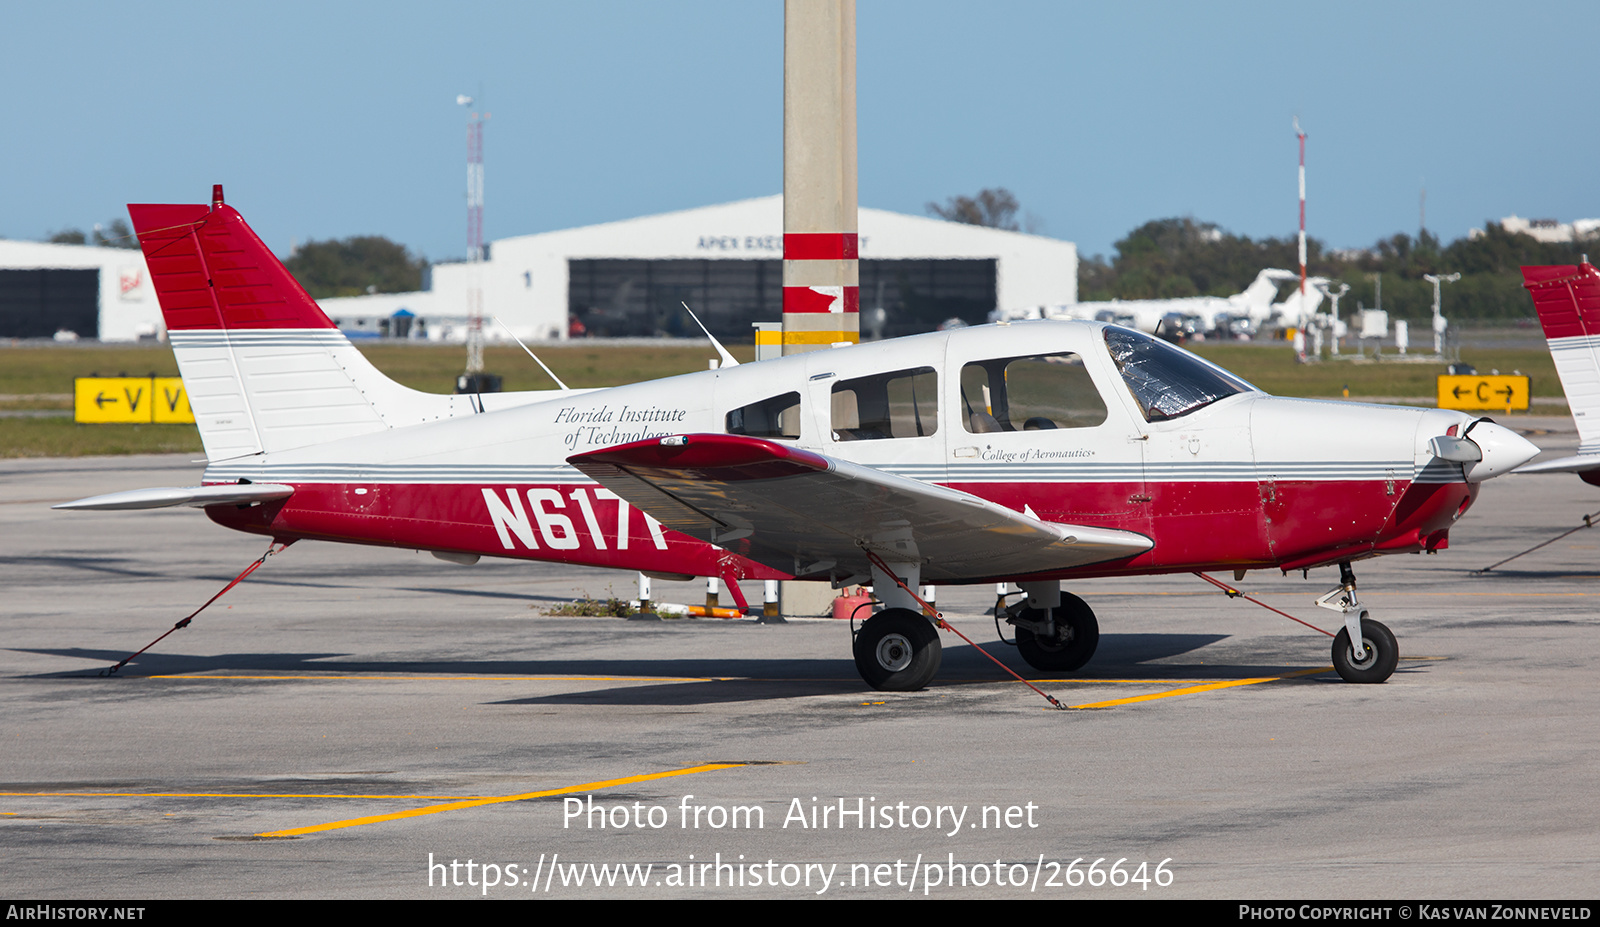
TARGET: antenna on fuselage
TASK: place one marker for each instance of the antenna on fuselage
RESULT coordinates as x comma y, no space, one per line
524,347
727,359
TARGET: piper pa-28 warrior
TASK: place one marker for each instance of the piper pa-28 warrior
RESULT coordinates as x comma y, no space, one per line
1031,453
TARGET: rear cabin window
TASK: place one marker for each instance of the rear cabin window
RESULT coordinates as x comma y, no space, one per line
778,417
1035,393
900,404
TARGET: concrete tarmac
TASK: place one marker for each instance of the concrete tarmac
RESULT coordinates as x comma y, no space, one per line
378,710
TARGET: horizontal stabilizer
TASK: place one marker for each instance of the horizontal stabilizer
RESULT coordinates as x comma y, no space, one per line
1583,463
814,516
163,497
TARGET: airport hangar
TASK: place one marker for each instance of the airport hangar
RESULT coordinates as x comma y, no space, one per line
91,292
616,279
627,278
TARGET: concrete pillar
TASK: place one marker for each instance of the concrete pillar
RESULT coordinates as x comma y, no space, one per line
821,267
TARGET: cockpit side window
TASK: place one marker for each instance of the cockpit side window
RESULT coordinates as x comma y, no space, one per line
1040,392
778,417
899,404
1165,381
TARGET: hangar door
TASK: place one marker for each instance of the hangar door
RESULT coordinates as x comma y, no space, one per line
39,303
617,297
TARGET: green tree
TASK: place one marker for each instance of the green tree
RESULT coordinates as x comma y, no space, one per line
116,235
994,208
68,237
353,266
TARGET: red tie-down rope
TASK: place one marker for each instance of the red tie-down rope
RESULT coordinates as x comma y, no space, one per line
940,622
272,548
1236,594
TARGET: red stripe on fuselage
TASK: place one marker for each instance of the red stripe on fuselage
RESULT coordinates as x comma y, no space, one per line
1195,526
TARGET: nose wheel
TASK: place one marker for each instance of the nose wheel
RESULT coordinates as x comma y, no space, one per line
1379,655
1375,660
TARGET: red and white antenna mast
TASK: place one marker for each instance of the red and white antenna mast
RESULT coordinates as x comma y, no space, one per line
1302,137
475,253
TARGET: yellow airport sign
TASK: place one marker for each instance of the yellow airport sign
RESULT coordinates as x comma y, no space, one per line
131,401
1472,392
171,401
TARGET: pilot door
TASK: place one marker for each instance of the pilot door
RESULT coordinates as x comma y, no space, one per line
1193,428
1034,432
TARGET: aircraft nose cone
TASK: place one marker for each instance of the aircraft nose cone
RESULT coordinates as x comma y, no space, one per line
1503,450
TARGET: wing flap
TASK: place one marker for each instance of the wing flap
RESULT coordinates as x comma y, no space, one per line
813,516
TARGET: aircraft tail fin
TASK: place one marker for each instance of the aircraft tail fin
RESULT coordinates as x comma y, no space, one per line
1567,298
265,368
1258,297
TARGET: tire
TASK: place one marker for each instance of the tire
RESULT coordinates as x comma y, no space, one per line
1382,656
898,650
1078,634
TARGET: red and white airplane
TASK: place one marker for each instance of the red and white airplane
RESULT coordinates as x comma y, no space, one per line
1567,298
1033,453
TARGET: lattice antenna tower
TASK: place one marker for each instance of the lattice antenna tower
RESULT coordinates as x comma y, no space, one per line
475,255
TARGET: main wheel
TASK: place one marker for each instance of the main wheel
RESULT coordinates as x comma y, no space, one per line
1379,660
897,650
1077,636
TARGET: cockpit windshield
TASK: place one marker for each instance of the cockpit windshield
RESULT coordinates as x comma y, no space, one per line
1168,382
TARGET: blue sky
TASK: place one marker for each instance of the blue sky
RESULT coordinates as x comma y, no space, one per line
332,119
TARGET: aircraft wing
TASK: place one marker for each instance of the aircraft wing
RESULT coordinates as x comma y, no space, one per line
199,496
812,516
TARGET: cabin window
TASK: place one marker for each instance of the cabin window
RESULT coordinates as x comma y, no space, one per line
1166,381
899,404
778,417
1037,393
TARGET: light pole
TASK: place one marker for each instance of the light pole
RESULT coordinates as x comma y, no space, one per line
1438,318
1334,298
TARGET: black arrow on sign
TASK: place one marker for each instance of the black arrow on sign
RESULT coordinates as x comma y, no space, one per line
100,400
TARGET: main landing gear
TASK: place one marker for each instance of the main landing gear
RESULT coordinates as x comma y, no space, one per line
1056,631
1378,655
898,650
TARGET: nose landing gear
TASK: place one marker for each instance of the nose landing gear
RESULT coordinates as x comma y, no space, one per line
1378,655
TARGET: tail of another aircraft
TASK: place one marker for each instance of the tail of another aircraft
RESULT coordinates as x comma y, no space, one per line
265,368
1258,296
1567,298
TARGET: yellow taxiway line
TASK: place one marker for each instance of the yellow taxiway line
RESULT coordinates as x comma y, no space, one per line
481,802
1208,687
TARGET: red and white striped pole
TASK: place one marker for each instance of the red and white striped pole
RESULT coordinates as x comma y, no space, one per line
821,266
1302,136
1300,335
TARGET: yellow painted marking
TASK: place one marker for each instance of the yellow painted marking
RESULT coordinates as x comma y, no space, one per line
1209,687
820,337
480,802
236,795
400,678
